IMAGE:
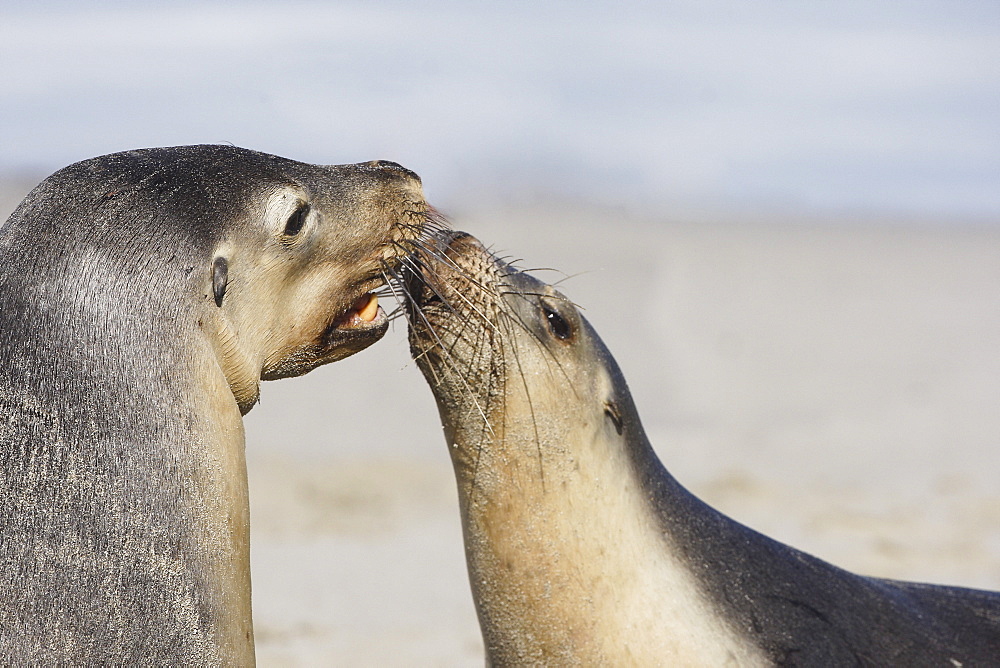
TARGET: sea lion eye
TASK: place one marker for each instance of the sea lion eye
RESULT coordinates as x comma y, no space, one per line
297,220
560,328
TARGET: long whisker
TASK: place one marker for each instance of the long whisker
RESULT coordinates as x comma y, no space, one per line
474,334
445,352
531,404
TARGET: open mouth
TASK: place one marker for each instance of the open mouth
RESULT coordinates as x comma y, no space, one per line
358,327
364,313
421,288
427,272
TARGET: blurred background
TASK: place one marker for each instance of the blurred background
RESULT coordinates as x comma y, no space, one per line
783,218
716,104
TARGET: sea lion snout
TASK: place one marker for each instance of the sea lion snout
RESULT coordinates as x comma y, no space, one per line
454,241
323,239
433,269
391,168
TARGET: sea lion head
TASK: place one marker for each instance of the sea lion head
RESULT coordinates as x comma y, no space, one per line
272,262
302,264
540,428
513,365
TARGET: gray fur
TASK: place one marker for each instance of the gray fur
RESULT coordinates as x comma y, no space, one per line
469,310
117,498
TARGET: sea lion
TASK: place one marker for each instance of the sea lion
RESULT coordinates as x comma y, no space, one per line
143,296
582,549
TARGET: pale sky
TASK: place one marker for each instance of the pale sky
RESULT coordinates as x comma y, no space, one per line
833,106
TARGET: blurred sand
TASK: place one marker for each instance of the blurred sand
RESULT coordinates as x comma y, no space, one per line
833,385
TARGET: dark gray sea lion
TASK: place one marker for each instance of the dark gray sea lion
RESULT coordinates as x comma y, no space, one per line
583,550
143,296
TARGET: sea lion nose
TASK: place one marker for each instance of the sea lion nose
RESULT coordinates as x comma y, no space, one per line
385,164
454,241
451,237
394,168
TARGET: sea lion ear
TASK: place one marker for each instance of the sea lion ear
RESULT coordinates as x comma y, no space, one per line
220,278
611,410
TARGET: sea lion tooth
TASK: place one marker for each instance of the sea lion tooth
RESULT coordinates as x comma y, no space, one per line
369,309
583,550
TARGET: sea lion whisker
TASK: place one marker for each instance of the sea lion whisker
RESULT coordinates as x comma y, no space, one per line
568,277
402,296
517,317
411,247
475,308
512,262
398,312
546,295
425,353
445,352
531,405
430,285
390,290
497,362
522,293
437,254
434,219
531,270
492,330
526,293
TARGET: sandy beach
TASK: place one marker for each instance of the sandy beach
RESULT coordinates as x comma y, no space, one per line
833,384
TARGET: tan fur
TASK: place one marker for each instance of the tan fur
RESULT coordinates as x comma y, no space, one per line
278,304
563,554
567,562
228,525
276,310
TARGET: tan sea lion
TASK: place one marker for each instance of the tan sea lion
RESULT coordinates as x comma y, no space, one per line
143,296
583,550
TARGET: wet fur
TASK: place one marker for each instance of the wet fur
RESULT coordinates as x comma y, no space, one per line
582,549
128,358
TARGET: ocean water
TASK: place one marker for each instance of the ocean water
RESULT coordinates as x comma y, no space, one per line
681,105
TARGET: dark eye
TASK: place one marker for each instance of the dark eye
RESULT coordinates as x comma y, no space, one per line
295,221
557,324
